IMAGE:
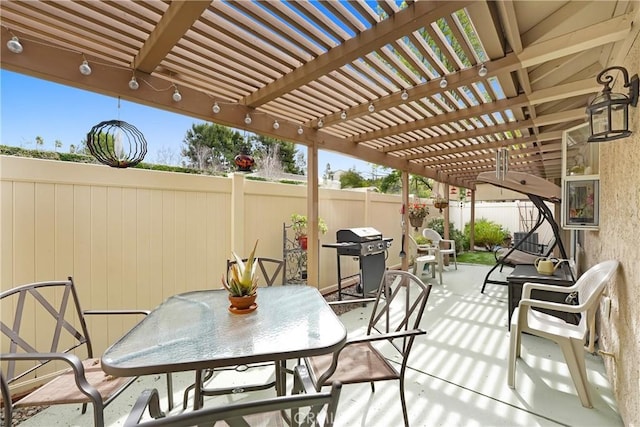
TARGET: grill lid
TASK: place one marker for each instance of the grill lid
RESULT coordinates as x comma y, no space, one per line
358,235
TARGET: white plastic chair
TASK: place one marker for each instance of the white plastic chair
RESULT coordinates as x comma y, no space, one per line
436,238
433,259
570,337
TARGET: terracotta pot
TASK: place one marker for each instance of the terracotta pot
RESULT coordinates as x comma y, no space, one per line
302,240
242,303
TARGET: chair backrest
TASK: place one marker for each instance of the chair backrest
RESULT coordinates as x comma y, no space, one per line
591,285
399,306
271,270
432,235
45,317
301,409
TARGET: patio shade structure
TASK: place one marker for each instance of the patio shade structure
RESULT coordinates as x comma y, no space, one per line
433,88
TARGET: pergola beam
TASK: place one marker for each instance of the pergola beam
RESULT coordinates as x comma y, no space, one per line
414,17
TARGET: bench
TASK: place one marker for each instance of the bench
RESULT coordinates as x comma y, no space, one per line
43,325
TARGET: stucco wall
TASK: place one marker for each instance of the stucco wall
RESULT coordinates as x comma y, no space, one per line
619,238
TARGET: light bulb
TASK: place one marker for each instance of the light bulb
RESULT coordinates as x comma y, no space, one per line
343,115
371,108
14,45
247,119
85,69
443,82
176,96
276,125
133,83
404,95
215,108
320,123
483,71
300,130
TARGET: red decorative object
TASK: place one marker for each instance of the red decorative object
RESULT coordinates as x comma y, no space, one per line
302,240
244,162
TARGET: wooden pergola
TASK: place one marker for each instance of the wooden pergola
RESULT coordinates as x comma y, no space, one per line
431,88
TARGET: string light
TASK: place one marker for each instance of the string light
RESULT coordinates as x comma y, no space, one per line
84,68
343,115
300,130
483,71
371,108
14,45
443,82
276,125
215,108
133,83
247,119
176,95
404,95
320,123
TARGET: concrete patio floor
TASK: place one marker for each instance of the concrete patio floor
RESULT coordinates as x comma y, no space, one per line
457,374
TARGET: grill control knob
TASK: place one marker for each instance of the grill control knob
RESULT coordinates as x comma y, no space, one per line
380,245
370,247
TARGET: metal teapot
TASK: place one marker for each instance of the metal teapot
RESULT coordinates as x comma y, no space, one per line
547,266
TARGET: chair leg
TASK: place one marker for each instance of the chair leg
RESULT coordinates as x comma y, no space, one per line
373,387
574,356
514,351
170,391
403,402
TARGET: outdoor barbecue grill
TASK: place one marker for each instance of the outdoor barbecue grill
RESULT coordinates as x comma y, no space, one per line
369,248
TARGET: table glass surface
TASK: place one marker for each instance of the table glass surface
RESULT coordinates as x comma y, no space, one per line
195,330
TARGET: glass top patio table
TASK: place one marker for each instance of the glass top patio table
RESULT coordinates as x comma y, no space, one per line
195,330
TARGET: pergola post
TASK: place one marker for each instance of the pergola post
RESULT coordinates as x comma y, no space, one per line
313,245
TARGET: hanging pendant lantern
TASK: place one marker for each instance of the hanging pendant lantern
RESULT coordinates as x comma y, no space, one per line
117,144
244,161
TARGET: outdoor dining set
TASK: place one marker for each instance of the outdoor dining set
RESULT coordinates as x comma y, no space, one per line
292,330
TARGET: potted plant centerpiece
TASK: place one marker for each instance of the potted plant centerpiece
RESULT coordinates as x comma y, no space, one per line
299,227
242,283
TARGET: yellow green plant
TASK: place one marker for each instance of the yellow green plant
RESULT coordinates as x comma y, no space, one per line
241,279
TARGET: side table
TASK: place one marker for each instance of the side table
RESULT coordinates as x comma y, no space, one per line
527,273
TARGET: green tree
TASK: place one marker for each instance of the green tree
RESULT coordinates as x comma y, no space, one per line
352,179
263,146
57,144
418,185
39,142
212,146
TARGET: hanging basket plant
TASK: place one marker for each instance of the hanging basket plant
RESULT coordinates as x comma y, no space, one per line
416,221
441,204
417,213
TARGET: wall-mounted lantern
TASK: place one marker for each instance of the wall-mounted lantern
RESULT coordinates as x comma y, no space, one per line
609,112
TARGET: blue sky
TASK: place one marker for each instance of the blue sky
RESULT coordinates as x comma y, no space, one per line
33,107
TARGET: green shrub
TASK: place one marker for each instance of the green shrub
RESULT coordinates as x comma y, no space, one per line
487,233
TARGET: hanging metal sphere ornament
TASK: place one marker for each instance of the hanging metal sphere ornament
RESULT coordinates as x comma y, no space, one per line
117,144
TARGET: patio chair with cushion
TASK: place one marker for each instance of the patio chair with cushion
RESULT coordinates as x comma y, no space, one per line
315,409
570,337
393,326
270,272
447,246
47,337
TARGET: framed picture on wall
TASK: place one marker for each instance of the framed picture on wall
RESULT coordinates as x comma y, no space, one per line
582,203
